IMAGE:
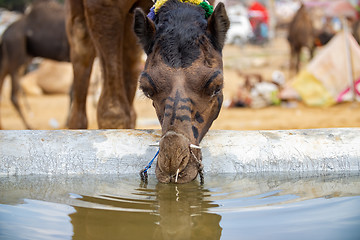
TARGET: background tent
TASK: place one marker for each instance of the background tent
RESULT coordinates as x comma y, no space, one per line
325,81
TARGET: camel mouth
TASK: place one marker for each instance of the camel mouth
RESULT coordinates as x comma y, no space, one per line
178,159
187,174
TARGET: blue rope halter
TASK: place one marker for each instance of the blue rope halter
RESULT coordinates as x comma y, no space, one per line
143,173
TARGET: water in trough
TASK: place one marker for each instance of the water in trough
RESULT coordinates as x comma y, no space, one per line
227,206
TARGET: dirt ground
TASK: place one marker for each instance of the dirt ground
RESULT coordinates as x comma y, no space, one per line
50,111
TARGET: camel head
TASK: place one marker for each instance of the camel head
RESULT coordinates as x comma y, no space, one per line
183,76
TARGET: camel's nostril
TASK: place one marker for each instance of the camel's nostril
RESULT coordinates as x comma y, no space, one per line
183,160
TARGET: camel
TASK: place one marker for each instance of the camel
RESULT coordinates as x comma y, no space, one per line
104,29
301,34
183,73
183,76
38,33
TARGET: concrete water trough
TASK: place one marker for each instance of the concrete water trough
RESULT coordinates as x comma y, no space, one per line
24,152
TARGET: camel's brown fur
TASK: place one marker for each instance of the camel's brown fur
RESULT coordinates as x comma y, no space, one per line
104,28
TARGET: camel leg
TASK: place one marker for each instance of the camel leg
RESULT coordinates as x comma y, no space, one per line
292,61
71,100
297,60
2,78
15,89
132,65
113,109
82,56
312,51
14,60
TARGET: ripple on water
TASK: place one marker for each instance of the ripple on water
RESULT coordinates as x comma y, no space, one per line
227,206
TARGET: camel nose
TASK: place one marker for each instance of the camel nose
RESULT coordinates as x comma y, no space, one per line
174,153
178,107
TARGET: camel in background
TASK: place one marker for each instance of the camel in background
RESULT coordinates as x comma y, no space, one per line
40,32
302,33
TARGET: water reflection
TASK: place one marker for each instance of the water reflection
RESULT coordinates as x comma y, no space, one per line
168,211
226,207
184,213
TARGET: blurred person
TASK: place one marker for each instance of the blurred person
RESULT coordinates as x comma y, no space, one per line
267,93
259,20
257,93
242,97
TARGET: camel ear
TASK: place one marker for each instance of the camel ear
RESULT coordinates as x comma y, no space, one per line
144,29
218,25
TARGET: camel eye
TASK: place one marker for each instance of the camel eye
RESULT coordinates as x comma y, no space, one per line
217,91
147,85
214,90
214,85
148,92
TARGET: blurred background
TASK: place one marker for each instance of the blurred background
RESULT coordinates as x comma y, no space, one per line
263,88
